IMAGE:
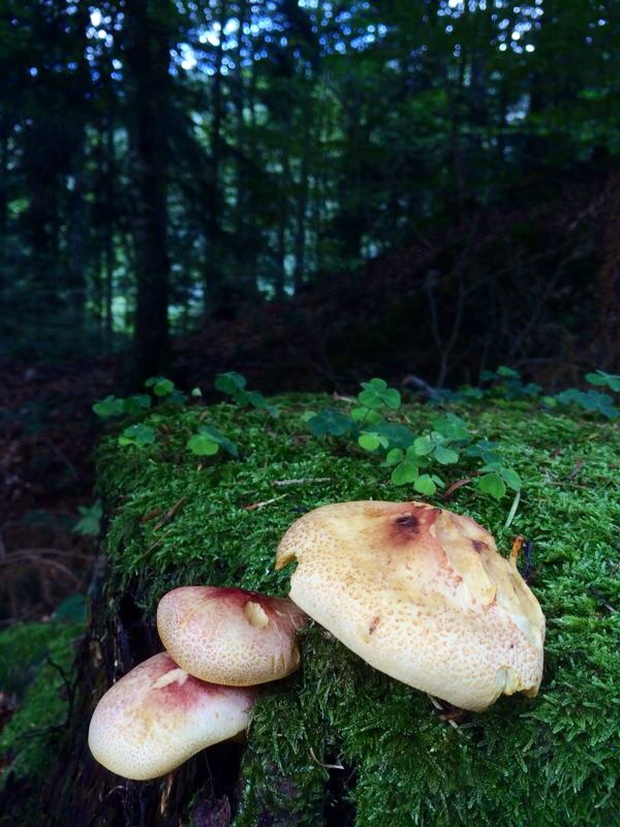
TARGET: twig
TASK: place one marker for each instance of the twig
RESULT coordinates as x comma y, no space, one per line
255,506
326,766
169,514
302,481
602,599
454,487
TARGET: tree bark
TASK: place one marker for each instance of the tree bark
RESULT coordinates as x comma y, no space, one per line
147,58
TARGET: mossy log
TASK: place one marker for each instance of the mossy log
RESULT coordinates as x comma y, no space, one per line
339,743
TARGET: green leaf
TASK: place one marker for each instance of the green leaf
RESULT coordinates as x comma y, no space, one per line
241,398
329,422
485,450
370,441
494,466
394,456
230,383
391,398
425,484
89,523
397,435
600,378
377,394
202,445
137,404
256,400
376,384
110,406
234,384
369,398
367,415
160,385
446,456
404,473
452,427
115,406
508,373
411,455
138,434
208,440
423,445
511,478
492,484
590,401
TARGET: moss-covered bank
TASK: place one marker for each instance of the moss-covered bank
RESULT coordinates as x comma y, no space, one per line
36,661
338,743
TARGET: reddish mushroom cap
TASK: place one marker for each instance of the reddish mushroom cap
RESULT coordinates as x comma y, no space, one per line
157,716
230,636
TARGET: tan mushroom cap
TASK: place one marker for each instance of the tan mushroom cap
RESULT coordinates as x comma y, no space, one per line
157,716
421,594
229,635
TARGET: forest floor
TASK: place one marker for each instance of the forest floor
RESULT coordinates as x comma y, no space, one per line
47,441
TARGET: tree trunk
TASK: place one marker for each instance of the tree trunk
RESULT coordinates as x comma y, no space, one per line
147,57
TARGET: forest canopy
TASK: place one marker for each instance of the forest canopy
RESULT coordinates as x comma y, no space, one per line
166,162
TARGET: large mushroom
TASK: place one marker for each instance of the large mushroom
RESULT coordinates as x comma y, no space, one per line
421,594
157,716
230,635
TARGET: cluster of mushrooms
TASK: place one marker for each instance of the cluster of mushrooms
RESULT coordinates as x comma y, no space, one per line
417,591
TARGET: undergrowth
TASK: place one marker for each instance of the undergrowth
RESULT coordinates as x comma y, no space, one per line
36,661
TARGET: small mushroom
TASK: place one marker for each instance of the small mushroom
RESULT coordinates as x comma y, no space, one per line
420,593
230,635
157,716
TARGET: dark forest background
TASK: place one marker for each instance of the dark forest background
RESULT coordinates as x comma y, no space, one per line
311,192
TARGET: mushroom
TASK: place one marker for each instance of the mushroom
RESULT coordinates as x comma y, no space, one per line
230,635
157,716
421,594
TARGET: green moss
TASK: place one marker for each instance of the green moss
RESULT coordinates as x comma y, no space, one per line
219,520
36,662
339,729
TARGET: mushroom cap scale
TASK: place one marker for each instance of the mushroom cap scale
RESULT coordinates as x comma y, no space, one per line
230,636
157,716
421,594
